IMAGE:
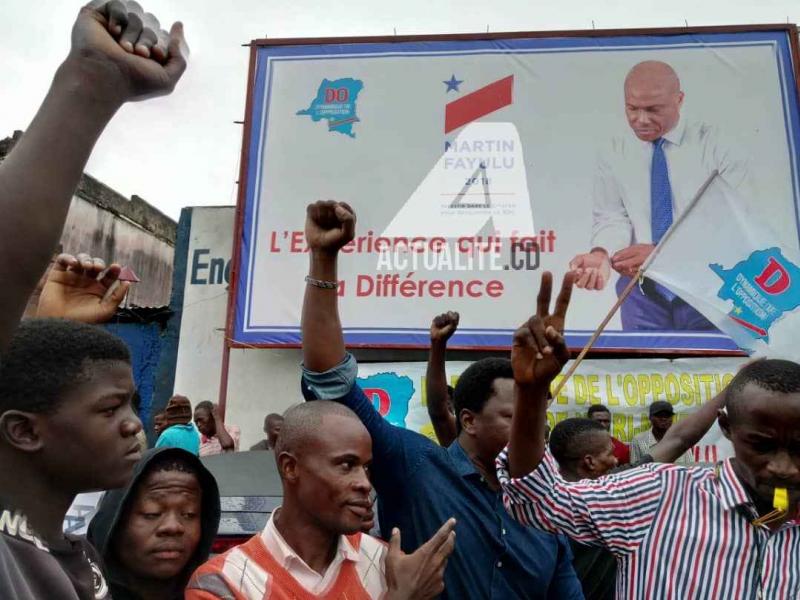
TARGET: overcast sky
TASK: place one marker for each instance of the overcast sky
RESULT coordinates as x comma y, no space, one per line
183,150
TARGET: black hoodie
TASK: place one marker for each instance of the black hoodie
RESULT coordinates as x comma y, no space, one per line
115,503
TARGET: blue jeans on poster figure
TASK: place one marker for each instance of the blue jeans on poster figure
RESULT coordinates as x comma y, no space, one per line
645,309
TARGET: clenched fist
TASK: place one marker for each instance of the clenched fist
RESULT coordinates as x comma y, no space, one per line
444,326
120,53
329,226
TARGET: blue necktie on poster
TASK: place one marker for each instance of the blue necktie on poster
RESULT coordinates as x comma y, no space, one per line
660,201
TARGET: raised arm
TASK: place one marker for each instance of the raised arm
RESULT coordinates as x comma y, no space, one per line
538,354
688,431
329,226
329,372
442,418
226,441
38,177
534,493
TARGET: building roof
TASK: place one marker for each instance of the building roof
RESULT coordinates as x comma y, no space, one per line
135,210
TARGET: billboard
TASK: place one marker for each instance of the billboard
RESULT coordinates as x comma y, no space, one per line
474,162
626,387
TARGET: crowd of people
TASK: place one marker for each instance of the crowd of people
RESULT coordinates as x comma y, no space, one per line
202,432
494,510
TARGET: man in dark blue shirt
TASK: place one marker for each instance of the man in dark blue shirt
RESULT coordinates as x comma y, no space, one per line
419,484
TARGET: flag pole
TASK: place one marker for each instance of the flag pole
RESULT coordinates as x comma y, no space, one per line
625,293
681,218
631,284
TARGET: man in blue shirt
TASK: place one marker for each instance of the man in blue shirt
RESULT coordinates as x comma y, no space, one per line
419,484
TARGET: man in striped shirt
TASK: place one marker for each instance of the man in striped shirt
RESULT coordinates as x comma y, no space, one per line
676,532
583,449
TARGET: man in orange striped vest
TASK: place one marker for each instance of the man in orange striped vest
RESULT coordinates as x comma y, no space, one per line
312,547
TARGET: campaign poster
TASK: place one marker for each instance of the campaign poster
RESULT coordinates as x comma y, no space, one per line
626,387
475,164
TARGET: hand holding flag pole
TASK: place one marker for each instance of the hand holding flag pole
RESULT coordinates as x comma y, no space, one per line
634,280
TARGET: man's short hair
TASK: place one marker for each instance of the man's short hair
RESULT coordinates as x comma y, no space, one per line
272,418
597,408
173,461
49,357
303,422
206,405
475,385
773,375
571,439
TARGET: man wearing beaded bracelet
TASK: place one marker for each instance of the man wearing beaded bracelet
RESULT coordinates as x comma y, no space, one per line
419,483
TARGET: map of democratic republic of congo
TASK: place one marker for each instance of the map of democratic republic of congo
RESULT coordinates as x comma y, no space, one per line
336,103
762,288
390,393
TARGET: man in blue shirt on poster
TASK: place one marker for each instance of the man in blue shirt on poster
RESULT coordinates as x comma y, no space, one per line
419,483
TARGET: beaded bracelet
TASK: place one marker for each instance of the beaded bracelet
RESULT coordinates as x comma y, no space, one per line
325,285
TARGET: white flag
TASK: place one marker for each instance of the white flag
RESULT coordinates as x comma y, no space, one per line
719,257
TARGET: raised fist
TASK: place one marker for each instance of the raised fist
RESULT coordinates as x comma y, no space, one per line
329,225
122,54
444,326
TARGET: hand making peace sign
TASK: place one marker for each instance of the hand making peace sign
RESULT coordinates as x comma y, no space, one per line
538,352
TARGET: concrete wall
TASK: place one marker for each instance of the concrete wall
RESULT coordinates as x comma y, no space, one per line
202,314
131,232
144,340
260,381
93,229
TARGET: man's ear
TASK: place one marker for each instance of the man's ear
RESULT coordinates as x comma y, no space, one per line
467,421
22,430
588,463
724,422
287,467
